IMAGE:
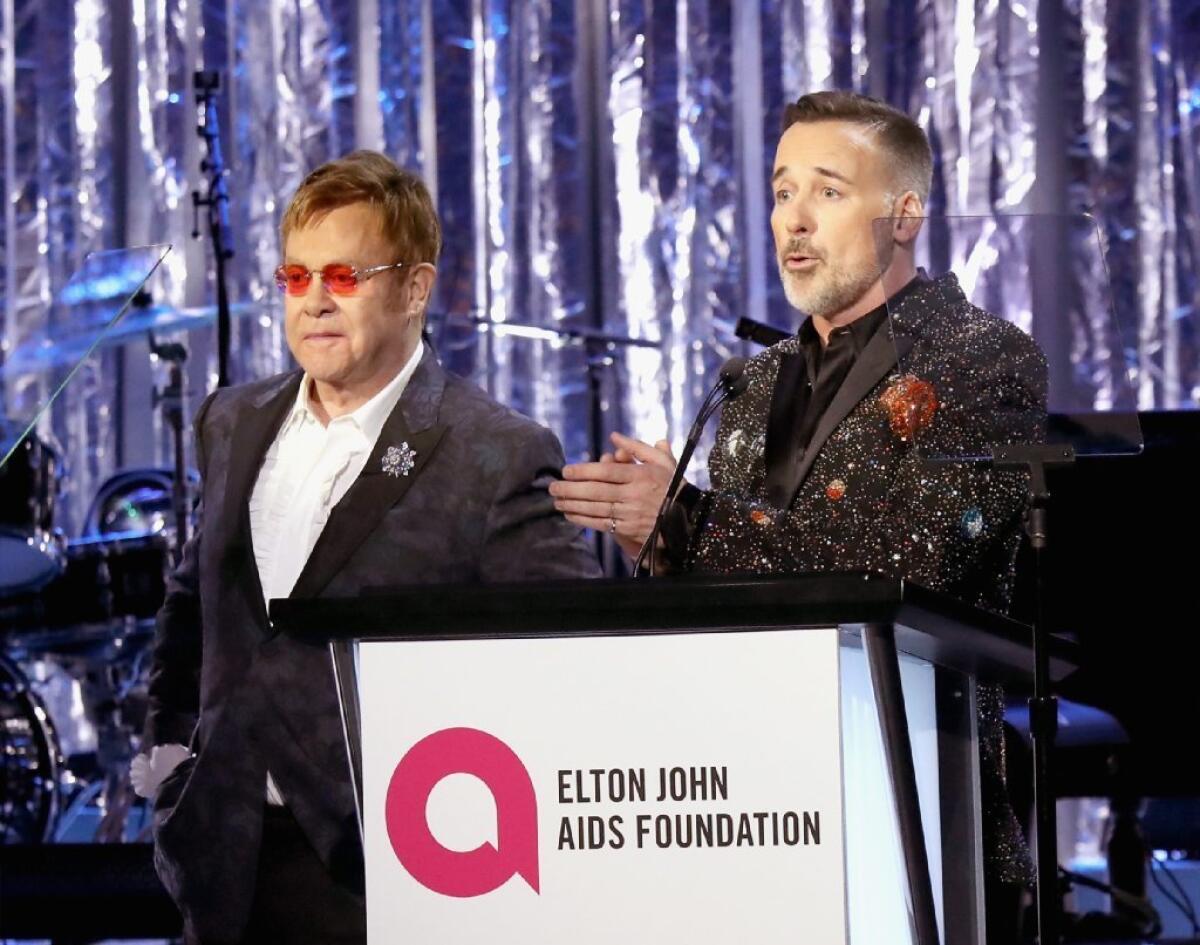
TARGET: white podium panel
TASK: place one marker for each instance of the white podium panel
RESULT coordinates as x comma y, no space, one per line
666,788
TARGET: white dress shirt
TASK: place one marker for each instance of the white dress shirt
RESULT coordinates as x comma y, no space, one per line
306,472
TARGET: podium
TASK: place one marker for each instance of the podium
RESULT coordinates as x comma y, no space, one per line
788,759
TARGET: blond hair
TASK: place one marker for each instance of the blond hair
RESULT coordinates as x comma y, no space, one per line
400,198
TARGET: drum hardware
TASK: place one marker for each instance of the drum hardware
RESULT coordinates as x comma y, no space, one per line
30,761
32,358
171,398
108,584
108,690
68,729
216,204
84,641
76,617
31,550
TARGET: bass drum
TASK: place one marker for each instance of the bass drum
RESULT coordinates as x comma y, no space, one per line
30,762
114,579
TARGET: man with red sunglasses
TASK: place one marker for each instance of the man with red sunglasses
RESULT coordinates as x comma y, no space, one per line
369,466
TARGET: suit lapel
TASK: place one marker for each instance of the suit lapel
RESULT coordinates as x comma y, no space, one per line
780,458
413,421
870,367
257,425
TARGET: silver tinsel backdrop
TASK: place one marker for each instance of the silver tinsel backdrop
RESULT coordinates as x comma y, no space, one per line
600,166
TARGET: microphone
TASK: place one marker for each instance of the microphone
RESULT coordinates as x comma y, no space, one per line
766,335
731,382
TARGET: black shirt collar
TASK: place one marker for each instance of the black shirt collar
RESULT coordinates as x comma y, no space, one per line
862,329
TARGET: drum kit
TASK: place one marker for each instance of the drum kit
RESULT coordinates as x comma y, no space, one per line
77,612
78,620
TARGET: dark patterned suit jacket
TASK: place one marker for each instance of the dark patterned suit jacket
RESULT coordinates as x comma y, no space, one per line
475,507
870,494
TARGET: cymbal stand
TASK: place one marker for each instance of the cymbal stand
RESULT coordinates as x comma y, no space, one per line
170,398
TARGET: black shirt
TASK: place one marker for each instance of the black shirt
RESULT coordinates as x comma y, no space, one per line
826,368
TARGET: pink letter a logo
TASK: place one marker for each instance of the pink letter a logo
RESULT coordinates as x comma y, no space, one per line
479,871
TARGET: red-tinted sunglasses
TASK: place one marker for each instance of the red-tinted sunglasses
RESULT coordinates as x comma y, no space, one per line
338,278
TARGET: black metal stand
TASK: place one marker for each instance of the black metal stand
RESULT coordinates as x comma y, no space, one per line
341,657
879,641
600,359
216,203
1043,707
170,398
727,387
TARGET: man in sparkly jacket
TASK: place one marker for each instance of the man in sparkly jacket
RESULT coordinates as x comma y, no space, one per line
822,463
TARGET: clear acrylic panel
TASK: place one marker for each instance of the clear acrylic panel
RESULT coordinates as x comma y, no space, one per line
988,350
99,305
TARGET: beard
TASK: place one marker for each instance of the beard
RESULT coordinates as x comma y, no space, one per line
827,289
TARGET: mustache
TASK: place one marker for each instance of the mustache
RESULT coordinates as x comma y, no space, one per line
799,248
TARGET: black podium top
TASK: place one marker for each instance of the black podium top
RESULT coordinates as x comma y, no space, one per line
928,625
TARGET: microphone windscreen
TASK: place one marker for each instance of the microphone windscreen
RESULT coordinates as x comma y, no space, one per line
733,369
734,377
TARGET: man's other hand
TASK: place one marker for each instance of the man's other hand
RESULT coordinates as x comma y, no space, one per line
621,493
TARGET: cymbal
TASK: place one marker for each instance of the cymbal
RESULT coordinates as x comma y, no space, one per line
67,348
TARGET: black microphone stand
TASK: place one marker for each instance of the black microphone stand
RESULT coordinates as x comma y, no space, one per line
732,382
1035,459
216,203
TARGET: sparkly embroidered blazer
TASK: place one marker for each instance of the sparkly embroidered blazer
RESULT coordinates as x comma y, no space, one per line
468,503
873,492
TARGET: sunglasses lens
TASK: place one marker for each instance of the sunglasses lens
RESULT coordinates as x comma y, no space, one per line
339,279
294,280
